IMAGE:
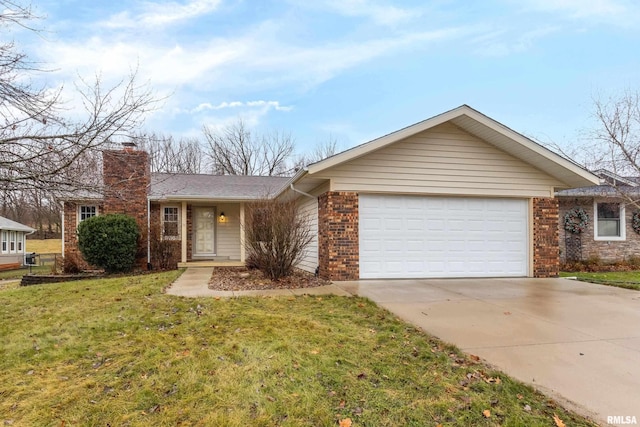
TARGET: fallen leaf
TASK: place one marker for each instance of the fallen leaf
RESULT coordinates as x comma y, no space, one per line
519,396
342,403
507,313
486,413
558,421
527,408
474,357
346,422
314,352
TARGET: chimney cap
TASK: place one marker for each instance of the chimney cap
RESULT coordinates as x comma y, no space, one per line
129,144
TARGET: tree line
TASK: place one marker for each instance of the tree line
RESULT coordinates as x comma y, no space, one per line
45,152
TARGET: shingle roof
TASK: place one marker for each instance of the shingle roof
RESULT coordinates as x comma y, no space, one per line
222,187
7,224
600,191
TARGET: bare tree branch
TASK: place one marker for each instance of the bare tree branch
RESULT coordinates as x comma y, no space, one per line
233,150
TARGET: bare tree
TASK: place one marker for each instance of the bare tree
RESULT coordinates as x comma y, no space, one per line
321,151
234,150
277,234
168,155
618,132
39,146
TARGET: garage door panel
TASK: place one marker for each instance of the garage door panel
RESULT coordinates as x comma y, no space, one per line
411,236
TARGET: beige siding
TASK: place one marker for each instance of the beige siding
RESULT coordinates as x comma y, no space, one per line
442,160
309,208
228,233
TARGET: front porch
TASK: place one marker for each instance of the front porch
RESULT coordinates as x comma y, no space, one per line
206,233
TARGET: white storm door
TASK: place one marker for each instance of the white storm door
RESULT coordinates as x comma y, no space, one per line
204,234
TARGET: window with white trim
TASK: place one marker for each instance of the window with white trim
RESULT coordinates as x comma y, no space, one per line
85,212
12,242
170,223
609,221
19,239
5,242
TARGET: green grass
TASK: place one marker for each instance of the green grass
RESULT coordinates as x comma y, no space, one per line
621,279
120,352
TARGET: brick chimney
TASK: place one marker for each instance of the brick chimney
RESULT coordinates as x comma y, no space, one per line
126,175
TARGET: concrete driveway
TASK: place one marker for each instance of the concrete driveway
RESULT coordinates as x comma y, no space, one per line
576,341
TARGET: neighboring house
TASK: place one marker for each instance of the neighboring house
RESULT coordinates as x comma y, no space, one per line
12,243
608,233
456,195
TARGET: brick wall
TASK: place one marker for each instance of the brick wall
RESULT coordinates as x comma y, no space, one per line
546,257
338,235
127,177
608,251
71,251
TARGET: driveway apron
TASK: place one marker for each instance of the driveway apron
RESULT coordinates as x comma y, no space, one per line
575,341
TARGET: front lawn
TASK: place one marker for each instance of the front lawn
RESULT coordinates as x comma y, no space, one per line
621,279
120,352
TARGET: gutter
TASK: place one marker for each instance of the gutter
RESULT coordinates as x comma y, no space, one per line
301,192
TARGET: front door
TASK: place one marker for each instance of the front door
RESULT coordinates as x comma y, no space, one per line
204,232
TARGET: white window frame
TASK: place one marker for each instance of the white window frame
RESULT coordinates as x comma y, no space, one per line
20,243
623,223
79,217
178,223
12,242
5,242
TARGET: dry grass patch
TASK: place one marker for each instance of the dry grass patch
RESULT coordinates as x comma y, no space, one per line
48,246
120,352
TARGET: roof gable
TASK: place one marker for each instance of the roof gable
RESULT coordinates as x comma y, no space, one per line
475,123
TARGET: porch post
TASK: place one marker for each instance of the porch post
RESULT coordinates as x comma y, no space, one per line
242,247
183,231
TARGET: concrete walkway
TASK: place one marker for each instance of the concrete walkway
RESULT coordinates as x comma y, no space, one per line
573,340
194,283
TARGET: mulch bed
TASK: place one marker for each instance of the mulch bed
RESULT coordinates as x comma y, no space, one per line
242,279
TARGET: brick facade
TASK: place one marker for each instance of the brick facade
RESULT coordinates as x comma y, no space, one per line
71,251
126,178
546,254
338,244
605,250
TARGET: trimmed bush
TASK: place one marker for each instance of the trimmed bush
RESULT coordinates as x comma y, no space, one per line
109,242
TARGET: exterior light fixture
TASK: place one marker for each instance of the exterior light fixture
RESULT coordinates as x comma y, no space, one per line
222,217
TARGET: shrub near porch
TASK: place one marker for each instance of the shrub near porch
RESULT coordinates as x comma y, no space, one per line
118,351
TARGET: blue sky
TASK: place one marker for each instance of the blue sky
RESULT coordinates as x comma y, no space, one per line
349,69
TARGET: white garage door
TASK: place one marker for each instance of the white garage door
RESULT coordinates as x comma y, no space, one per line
420,237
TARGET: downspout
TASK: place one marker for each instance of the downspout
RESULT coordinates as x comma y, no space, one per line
63,230
149,266
301,192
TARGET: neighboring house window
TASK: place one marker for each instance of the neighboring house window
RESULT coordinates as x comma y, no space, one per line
170,222
609,221
20,237
87,212
12,242
5,242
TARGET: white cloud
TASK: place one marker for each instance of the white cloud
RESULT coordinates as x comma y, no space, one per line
160,14
379,13
616,12
502,42
261,105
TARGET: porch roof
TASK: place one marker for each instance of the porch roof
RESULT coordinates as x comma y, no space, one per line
7,224
166,186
